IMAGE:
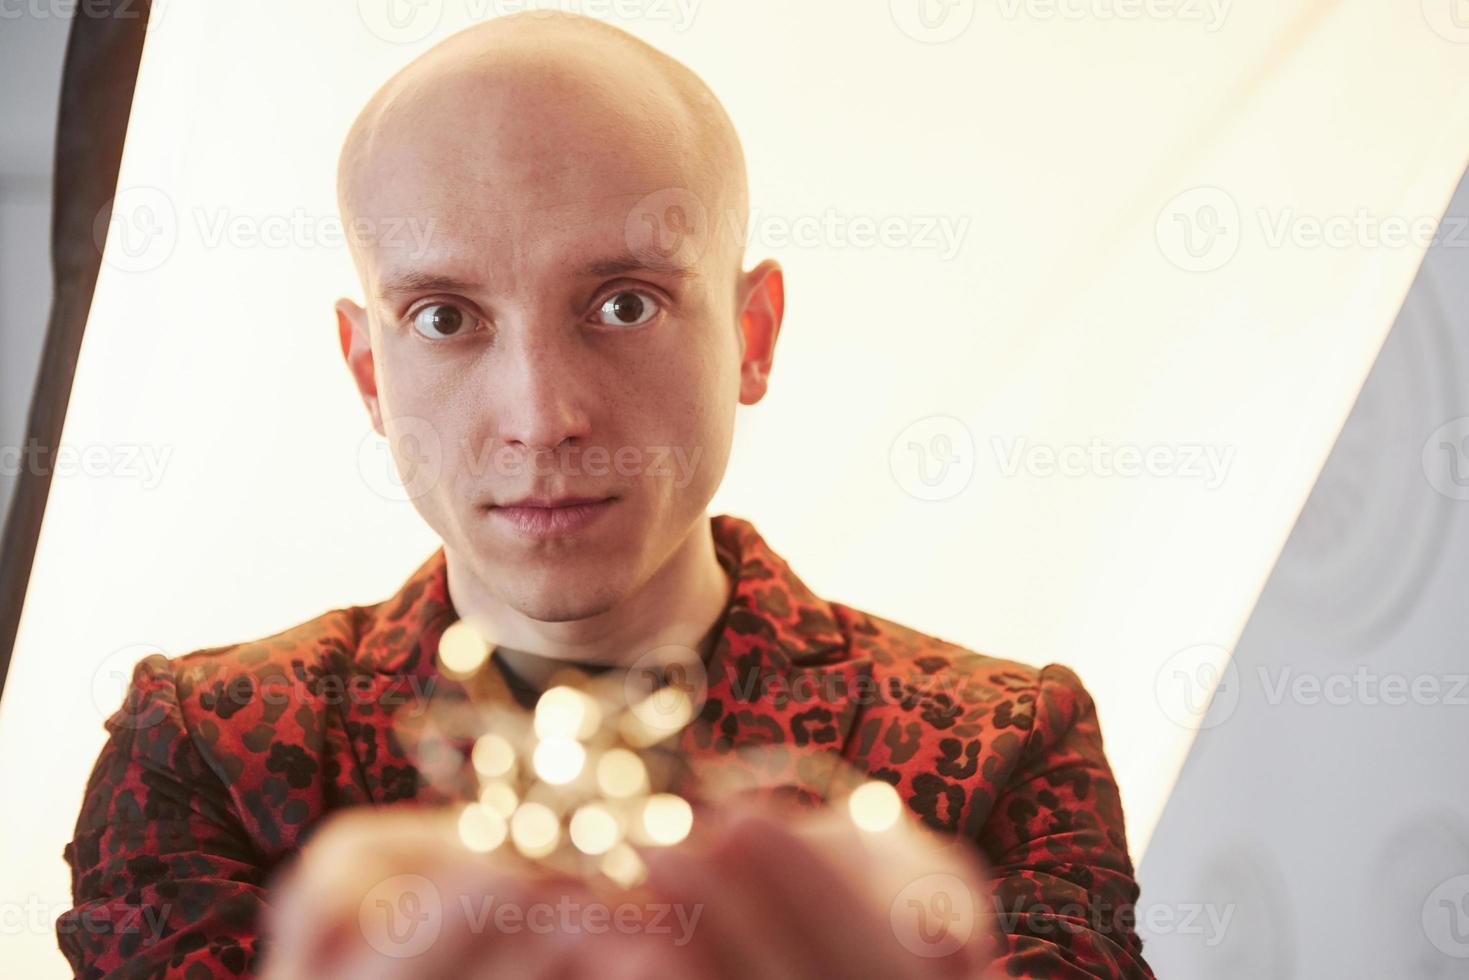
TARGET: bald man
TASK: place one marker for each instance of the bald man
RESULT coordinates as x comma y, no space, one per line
556,366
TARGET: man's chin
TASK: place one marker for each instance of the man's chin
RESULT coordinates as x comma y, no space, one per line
562,605
557,589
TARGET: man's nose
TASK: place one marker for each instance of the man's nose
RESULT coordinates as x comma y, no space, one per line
541,401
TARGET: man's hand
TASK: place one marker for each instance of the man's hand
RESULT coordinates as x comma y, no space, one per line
395,893
755,891
786,895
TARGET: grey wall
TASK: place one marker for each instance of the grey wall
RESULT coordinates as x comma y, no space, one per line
1324,808
31,52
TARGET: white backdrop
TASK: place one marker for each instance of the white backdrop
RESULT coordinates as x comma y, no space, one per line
1322,817
1080,292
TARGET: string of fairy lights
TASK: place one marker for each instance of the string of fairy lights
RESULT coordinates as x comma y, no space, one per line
582,780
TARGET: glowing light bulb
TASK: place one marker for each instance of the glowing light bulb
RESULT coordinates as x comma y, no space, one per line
620,774
594,829
499,797
657,716
481,829
535,830
667,818
462,650
875,806
559,760
493,756
565,712
623,866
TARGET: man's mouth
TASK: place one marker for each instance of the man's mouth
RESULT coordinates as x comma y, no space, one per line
543,517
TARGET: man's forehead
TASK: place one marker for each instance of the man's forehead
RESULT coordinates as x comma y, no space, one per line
598,235
498,186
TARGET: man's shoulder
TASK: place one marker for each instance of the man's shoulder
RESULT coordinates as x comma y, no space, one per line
955,690
326,642
374,637
898,649
949,726
230,683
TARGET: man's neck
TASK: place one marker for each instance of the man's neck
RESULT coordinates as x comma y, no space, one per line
681,604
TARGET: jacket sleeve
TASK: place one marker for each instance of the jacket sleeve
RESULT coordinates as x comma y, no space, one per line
1060,875
165,882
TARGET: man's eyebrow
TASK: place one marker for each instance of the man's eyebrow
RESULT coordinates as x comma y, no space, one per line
414,281
622,264
423,282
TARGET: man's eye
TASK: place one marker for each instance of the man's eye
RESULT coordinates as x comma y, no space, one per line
439,320
628,308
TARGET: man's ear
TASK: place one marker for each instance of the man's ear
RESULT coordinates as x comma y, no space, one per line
356,341
762,306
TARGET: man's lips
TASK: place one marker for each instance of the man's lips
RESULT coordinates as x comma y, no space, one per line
546,517
550,502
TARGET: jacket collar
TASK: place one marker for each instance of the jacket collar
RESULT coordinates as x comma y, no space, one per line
782,680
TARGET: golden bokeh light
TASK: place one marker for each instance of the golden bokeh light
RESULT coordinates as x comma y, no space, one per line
875,806
535,830
559,760
500,797
620,773
667,818
565,712
481,829
493,756
462,650
594,829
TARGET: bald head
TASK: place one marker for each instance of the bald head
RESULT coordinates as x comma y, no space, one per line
513,104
